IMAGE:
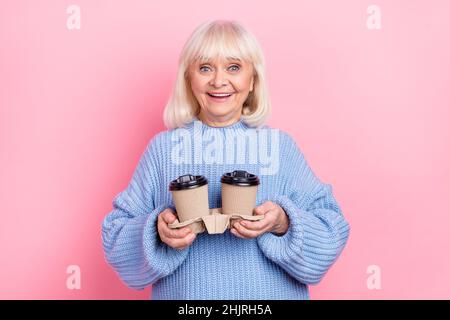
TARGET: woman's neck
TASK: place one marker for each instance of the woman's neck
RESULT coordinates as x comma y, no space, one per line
219,121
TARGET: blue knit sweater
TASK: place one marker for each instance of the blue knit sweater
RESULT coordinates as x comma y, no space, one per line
223,266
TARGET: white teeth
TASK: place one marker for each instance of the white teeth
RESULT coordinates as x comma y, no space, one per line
220,95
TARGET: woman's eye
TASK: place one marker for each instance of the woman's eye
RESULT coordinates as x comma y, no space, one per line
233,68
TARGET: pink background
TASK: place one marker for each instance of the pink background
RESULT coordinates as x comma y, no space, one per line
369,108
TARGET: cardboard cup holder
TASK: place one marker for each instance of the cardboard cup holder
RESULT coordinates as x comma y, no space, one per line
215,222
190,195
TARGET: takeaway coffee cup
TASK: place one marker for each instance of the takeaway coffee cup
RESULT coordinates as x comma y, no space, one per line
239,189
190,195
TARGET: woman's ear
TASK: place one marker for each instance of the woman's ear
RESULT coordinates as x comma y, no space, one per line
252,83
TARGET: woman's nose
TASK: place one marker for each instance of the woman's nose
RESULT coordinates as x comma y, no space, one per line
219,79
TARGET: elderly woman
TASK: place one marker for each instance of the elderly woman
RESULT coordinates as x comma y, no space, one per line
220,93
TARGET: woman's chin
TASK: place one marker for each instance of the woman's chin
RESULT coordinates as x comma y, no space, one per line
218,112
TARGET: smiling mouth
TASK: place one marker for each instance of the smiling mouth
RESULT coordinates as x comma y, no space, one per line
219,95
219,98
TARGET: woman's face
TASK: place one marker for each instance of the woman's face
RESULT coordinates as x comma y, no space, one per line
233,79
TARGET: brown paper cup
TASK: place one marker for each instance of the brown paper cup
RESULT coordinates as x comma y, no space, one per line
191,203
239,190
190,196
238,200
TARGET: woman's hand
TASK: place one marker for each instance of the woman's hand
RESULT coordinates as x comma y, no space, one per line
175,238
275,221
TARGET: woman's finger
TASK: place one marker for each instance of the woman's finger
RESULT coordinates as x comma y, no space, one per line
168,216
175,233
262,225
237,234
263,208
245,232
256,225
181,243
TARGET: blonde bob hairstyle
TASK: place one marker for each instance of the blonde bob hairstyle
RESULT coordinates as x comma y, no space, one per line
224,40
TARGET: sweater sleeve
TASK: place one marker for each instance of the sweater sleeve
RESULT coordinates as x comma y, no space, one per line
130,237
317,230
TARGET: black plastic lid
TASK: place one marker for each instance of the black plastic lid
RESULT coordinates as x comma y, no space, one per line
240,178
187,181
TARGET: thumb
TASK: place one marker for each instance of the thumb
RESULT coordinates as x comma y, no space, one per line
169,217
260,210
